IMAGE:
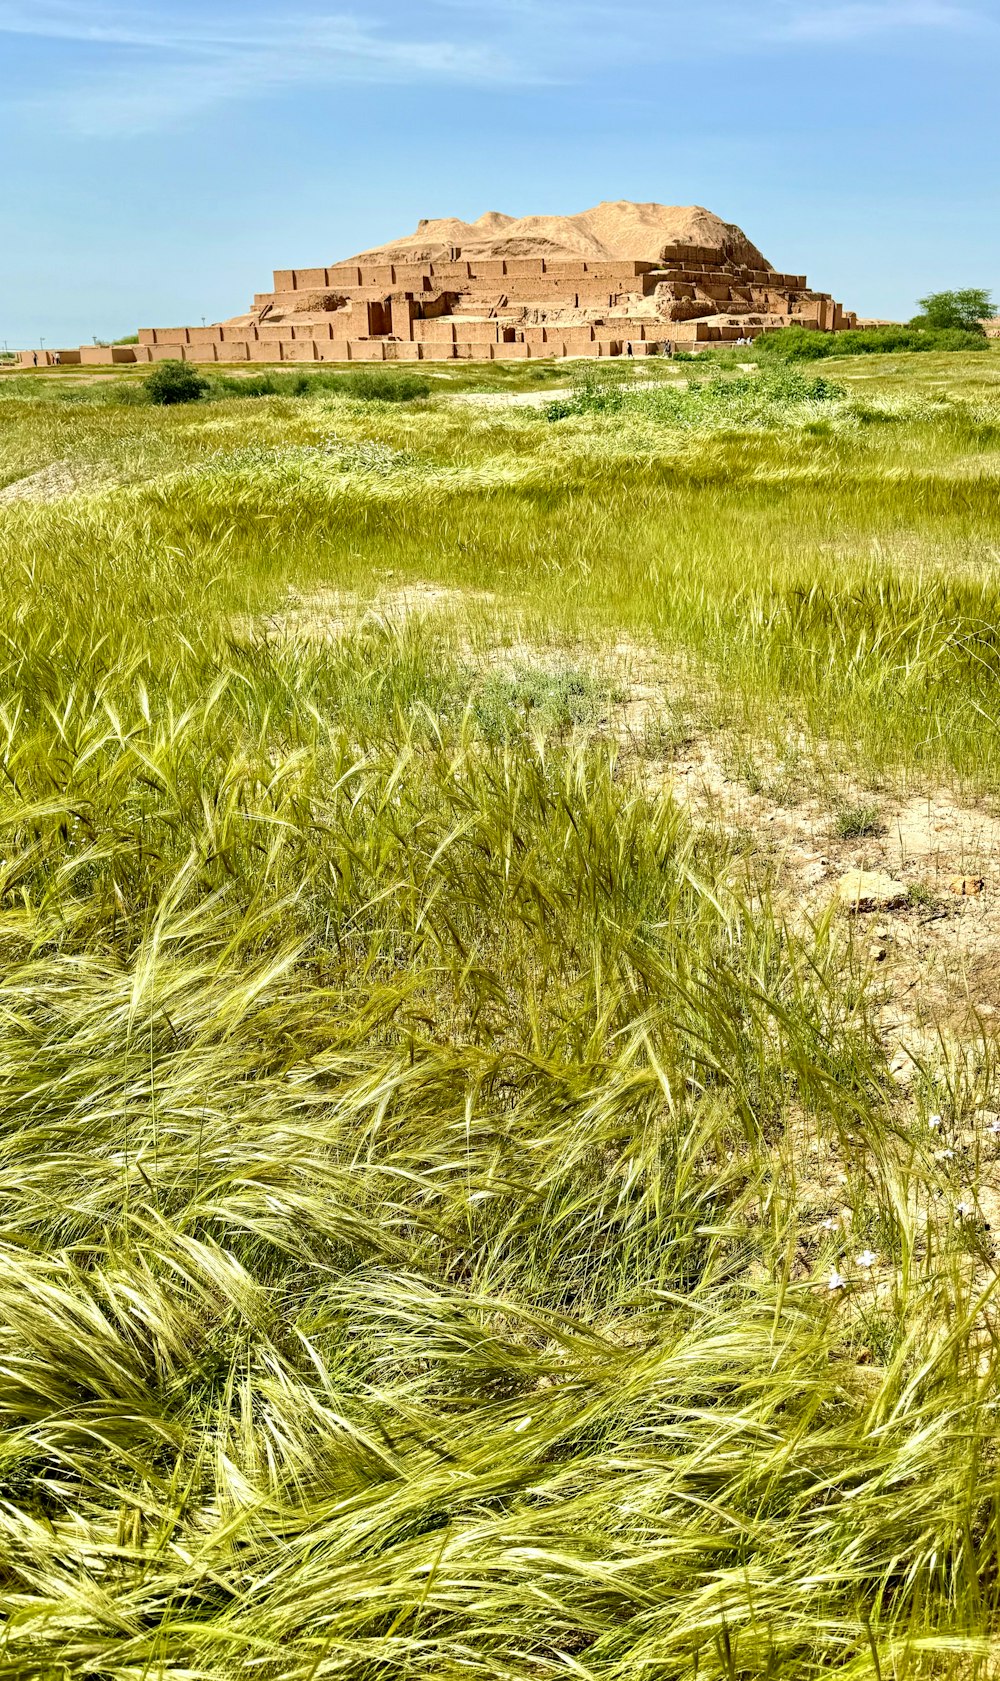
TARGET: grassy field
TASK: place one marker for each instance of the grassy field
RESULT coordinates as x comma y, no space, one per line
472,1204
447,376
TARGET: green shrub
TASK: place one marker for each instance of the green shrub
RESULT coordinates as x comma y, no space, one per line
781,385
175,382
802,344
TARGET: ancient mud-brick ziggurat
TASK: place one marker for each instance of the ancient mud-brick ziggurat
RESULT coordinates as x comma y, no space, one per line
623,275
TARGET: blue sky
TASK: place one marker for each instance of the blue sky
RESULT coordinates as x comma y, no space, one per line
158,160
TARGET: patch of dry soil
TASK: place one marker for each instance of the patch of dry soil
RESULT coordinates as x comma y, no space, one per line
938,953
327,615
57,481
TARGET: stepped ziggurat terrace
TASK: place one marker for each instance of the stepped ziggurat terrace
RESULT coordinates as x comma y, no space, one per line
622,277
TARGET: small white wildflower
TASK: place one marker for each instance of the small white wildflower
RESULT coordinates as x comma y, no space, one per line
830,1225
964,1209
994,1126
934,1122
837,1280
944,1155
867,1258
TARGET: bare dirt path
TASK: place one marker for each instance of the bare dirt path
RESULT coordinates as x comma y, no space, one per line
513,399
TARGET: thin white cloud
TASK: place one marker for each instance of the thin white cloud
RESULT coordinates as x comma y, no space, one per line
802,20
69,20
719,25
151,68
857,20
154,73
73,20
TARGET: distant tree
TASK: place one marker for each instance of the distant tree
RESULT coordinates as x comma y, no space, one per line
175,382
966,310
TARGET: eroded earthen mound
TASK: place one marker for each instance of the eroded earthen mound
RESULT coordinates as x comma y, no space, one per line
643,233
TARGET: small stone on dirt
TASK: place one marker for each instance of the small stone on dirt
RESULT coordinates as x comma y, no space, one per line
967,887
870,890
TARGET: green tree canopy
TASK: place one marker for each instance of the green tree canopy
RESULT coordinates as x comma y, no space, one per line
966,309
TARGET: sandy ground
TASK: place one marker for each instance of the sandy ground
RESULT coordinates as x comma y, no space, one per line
935,957
60,479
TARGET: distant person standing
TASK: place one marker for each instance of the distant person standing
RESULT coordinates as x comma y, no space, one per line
34,357
628,348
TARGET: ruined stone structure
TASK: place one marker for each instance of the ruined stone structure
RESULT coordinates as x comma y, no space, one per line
622,278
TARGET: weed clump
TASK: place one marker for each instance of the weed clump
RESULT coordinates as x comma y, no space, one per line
366,385
858,822
181,382
921,897
379,385
766,398
529,701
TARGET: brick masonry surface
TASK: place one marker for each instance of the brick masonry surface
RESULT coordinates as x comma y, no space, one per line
497,308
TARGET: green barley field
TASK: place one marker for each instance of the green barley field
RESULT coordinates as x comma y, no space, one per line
474,1205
